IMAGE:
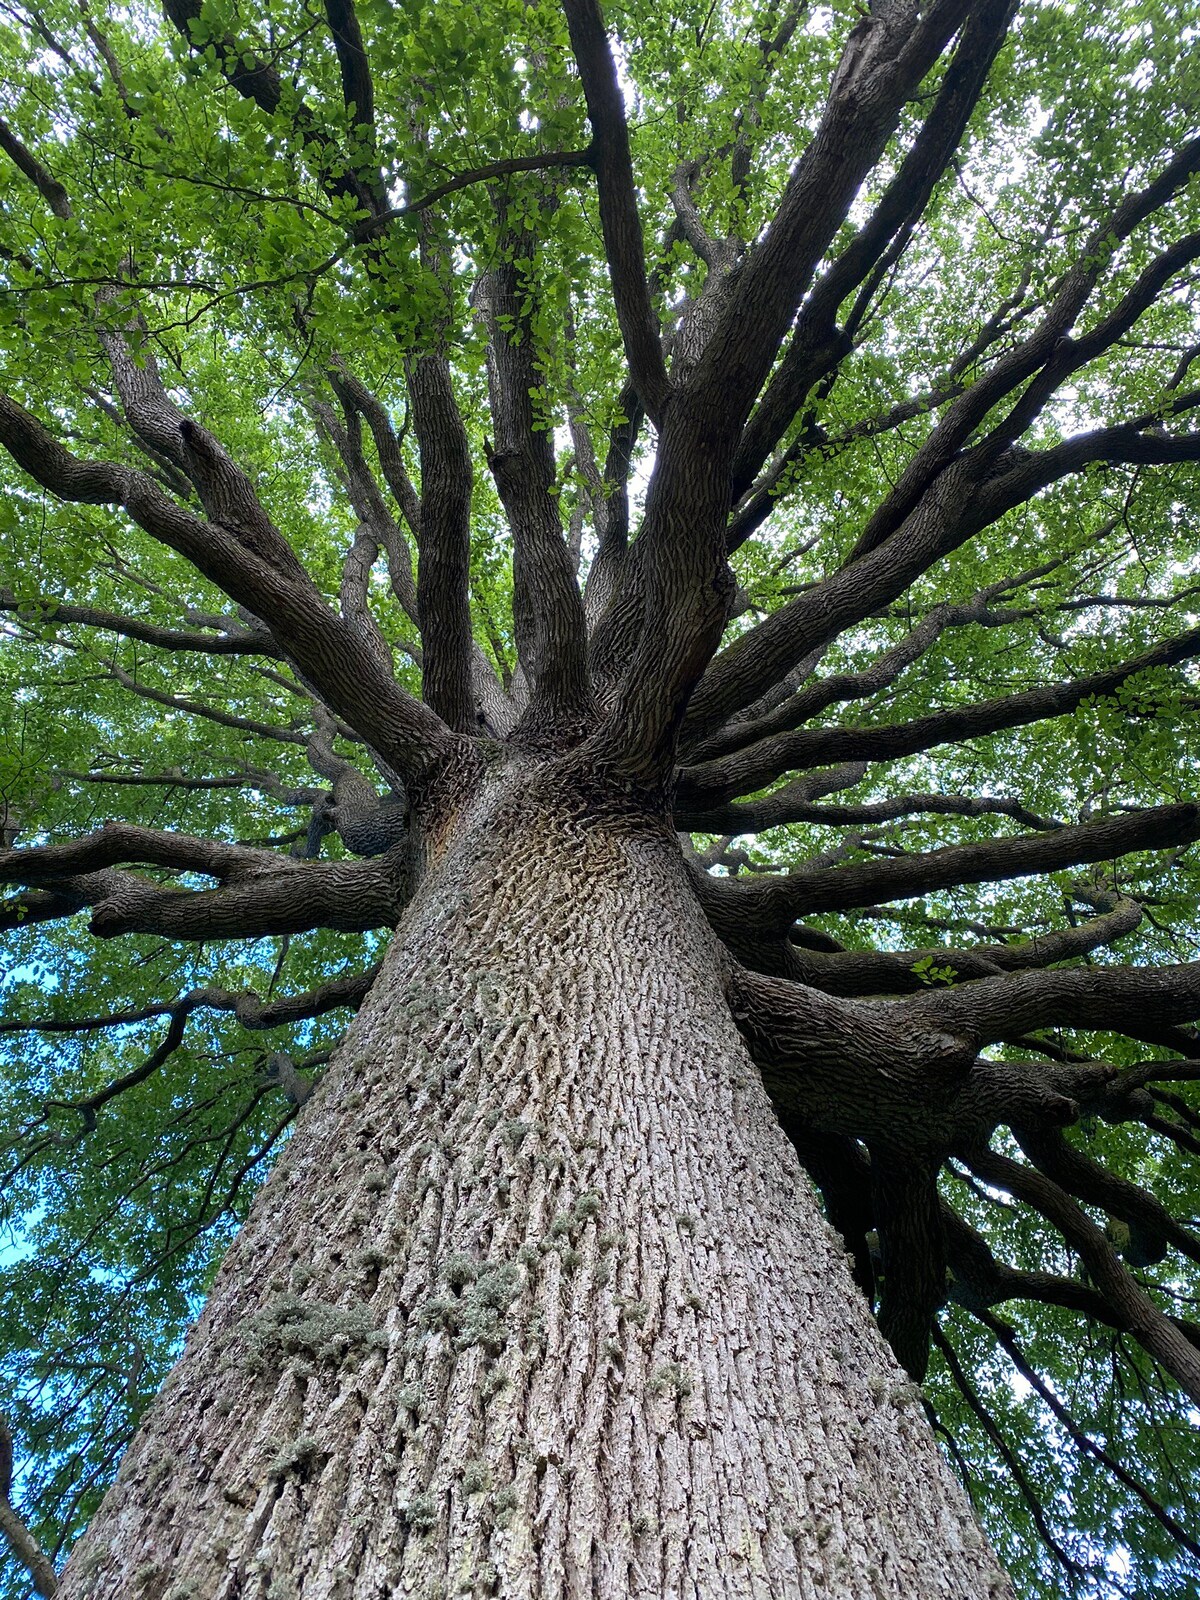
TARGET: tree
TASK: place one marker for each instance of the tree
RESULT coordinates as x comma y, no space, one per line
686,517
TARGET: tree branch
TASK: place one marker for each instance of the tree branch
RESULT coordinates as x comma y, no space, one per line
40,612
1076,286
51,191
624,246
913,1247
885,58
506,166
358,94
259,81
21,1542
902,204
250,1009
1084,1443
242,553
771,904
1150,1327
547,609
1078,1174
792,804
864,972
261,893
808,702
707,784
1019,1476
1118,999
443,543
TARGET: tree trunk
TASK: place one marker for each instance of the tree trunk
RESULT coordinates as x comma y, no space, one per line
537,1302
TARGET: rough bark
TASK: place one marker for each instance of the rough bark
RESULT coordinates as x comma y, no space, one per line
537,1302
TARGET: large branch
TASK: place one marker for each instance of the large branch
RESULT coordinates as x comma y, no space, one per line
118,842
260,892
1087,1180
354,593
793,803
678,588
366,823
1143,441
358,93
786,710
348,896
611,509
443,543
884,61
708,784
241,552
761,498
153,417
548,614
624,245
1128,1000
365,496
862,972
1153,1330
952,512
41,612
903,1076
43,180
902,203
764,905
1033,353
1071,354
973,492
979,1281
357,398
893,1073
913,1248
491,702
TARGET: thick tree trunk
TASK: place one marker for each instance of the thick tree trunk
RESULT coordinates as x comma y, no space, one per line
537,1302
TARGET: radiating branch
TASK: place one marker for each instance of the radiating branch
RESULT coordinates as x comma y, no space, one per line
249,1008
43,180
260,892
21,1542
548,613
1033,352
726,777
39,613
771,903
624,245
240,550
902,204
792,804
1153,1330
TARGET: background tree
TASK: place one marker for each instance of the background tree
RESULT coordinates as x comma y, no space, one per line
448,452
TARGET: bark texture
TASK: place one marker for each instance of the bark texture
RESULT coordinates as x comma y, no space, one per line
537,1302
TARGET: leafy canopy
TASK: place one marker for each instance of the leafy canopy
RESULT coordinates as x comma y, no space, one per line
220,209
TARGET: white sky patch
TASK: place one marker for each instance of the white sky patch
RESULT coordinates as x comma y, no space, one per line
1020,1385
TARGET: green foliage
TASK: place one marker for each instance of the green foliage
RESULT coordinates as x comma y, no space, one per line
252,281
